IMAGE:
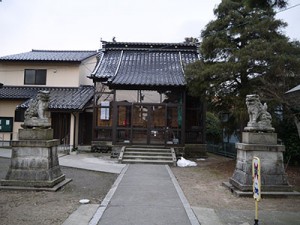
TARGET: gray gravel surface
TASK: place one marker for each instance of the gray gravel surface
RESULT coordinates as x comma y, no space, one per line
41,207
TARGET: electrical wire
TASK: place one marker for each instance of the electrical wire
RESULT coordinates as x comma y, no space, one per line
293,6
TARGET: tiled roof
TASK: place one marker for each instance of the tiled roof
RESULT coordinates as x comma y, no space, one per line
297,88
50,55
293,98
145,64
61,98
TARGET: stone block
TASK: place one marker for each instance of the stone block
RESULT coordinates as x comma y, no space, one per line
35,134
35,143
259,138
260,147
275,179
273,176
33,183
240,186
34,163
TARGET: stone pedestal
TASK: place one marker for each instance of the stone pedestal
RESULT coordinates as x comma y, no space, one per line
263,146
34,161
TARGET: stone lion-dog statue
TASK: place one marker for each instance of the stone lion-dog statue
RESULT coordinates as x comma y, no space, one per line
259,118
35,115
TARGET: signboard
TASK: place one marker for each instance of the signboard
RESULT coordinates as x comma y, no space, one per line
256,178
6,124
104,110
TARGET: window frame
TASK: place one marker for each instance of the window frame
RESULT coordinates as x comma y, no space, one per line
37,73
6,124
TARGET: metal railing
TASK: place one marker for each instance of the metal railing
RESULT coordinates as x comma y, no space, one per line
65,144
225,149
7,138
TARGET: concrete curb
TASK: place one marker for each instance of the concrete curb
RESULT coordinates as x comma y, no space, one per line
207,216
98,214
82,215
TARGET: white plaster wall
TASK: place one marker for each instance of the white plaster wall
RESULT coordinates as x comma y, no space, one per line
58,74
11,74
86,68
63,76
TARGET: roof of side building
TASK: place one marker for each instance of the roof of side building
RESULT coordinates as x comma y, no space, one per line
50,55
61,98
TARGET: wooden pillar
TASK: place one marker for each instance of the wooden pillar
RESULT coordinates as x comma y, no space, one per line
183,117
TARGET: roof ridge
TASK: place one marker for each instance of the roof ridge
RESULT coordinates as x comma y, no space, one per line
49,50
151,43
149,46
52,55
46,87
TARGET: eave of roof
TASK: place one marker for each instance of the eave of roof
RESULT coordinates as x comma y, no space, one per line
297,88
293,97
61,98
50,56
149,65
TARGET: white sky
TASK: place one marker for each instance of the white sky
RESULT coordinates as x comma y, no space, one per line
79,24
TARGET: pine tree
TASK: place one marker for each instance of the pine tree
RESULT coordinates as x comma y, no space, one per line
266,3
242,52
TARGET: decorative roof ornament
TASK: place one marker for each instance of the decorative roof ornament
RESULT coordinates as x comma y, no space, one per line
259,119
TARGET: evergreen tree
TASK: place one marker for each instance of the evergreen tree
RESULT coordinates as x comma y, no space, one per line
266,3
243,52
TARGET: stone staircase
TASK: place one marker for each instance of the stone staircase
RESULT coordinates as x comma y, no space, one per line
147,154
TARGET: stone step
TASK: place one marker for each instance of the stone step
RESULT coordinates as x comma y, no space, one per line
153,157
158,155
148,153
147,161
148,149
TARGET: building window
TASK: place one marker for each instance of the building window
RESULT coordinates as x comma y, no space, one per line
19,115
35,77
6,124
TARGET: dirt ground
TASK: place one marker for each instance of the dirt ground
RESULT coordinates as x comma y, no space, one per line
36,208
201,185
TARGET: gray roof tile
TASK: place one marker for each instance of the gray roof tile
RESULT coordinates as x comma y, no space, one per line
297,88
61,98
293,96
50,55
145,64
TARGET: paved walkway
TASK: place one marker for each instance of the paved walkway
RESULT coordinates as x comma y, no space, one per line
85,161
90,162
146,195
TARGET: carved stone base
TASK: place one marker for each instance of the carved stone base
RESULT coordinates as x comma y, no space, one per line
35,134
33,183
34,163
273,176
36,122
259,128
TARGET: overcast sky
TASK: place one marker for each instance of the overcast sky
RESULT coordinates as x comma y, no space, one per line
79,24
